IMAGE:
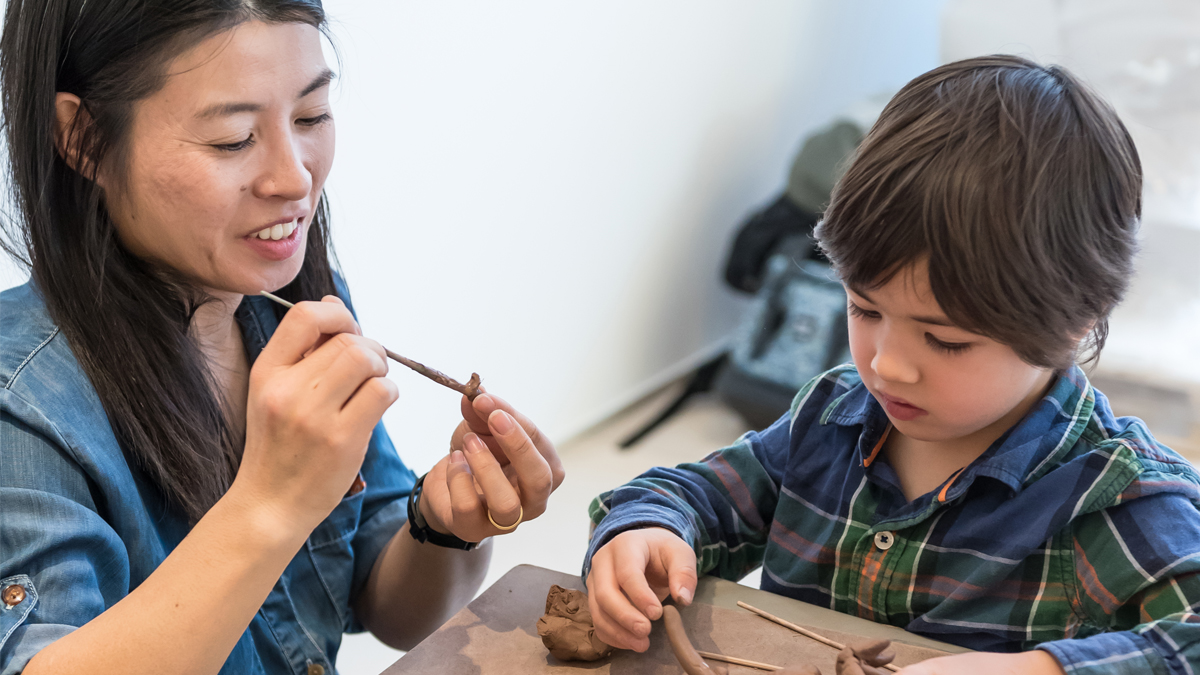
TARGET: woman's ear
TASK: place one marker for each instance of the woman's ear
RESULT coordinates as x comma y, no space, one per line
70,118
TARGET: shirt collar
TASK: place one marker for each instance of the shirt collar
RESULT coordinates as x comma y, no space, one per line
258,320
1023,454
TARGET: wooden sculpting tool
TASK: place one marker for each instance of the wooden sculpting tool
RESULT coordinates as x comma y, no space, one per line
803,631
710,656
470,389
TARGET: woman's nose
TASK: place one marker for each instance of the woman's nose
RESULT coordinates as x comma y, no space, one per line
285,174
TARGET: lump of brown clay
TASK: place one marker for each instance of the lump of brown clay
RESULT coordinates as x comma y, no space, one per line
567,629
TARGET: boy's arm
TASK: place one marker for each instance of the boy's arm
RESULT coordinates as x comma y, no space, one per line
1137,572
722,506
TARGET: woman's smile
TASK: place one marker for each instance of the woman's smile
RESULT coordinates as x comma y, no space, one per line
278,241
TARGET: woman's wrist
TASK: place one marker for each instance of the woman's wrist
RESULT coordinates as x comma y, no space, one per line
268,522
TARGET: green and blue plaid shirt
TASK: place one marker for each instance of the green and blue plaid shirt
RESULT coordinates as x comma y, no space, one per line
1076,532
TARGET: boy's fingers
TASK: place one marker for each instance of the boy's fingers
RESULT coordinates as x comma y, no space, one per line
680,563
636,588
608,628
614,634
612,601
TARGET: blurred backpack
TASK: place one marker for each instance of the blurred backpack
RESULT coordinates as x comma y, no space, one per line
795,326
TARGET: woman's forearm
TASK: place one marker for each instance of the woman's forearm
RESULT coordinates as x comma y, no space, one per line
187,616
414,588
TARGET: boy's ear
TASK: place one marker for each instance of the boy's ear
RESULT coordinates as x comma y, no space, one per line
70,118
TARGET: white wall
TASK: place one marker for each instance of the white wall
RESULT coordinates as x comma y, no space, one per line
1144,57
544,191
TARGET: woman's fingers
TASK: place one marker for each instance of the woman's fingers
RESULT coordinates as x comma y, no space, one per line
486,405
303,327
464,500
500,498
532,469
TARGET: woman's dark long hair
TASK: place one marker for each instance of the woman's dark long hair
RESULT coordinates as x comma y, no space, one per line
126,320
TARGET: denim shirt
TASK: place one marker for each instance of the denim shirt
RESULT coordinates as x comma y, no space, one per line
80,527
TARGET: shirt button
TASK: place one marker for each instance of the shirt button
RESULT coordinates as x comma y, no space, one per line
884,540
13,595
316,669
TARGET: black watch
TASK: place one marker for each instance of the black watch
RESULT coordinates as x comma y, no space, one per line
421,531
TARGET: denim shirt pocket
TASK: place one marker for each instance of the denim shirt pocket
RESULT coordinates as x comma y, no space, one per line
17,598
332,553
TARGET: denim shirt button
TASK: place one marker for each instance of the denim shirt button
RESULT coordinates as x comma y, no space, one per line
316,669
13,595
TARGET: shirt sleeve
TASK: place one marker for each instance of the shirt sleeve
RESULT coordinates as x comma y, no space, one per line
384,510
1137,576
68,563
722,506
385,499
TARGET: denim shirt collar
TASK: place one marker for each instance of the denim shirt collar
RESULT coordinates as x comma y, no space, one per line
1019,457
257,319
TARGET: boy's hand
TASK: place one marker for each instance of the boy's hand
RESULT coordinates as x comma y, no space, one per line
631,576
1034,662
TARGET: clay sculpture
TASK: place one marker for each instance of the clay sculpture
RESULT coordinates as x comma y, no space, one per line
566,628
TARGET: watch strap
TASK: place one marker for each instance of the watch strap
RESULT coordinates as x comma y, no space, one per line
421,531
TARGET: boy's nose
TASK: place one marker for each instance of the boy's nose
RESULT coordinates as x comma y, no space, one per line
891,366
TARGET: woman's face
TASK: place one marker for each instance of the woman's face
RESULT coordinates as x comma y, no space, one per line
227,161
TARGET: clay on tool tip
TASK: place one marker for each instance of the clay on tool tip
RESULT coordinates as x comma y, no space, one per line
566,628
685,653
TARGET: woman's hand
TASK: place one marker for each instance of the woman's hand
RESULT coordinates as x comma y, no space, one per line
631,576
1033,662
316,393
499,463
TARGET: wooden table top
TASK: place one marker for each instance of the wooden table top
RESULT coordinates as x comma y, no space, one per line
497,633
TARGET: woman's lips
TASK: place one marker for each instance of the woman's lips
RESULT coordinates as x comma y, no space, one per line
900,409
277,250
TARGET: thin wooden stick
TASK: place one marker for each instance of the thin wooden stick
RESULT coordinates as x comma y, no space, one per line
803,631
470,389
736,661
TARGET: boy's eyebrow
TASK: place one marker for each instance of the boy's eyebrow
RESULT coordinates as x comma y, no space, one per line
223,109
933,320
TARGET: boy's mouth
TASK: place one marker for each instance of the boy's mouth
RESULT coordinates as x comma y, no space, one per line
900,409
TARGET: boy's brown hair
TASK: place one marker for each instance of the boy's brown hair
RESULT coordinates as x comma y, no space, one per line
1020,187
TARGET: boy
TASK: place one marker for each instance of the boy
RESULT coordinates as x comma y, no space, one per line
961,479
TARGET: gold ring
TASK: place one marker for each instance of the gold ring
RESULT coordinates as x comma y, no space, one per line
507,528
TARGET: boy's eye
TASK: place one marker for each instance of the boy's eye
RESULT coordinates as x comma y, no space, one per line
859,312
947,347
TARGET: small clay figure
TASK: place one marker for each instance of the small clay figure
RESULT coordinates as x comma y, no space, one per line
685,653
567,629
865,658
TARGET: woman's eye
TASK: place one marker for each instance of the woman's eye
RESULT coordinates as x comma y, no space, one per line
947,347
859,312
234,147
314,121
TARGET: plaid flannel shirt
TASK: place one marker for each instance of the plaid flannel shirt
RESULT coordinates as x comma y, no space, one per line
1075,532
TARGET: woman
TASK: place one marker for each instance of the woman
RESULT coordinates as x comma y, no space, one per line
179,464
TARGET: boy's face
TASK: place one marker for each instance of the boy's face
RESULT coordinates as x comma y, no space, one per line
936,381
